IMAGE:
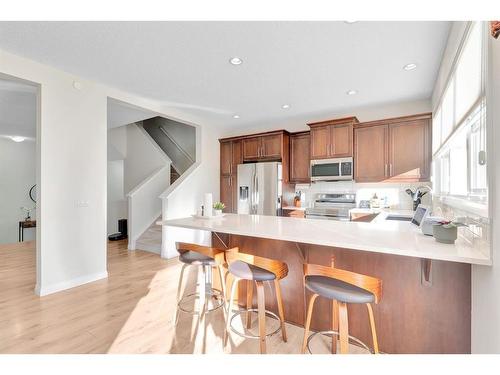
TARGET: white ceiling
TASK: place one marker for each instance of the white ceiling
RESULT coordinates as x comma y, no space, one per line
17,109
308,65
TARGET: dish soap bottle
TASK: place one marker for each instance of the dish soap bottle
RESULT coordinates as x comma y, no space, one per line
374,202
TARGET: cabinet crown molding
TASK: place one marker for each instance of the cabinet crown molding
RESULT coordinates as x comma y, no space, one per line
344,120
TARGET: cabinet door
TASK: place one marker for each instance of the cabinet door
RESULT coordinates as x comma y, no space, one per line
341,140
299,158
225,158
226,192
251,148
271,146
320,142
370,154
410,150
237,157
234,188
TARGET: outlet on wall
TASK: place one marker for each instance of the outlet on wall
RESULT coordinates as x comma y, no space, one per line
80,204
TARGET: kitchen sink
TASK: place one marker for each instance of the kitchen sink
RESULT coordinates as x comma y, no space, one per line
398,218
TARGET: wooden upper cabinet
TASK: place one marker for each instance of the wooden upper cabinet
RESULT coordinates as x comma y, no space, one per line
236,155
320,142
271,146
410,150
299,157
396,149
265,147
370,154
332,138
251,148
226,151
342,140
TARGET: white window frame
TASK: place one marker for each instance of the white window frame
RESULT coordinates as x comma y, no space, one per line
475,202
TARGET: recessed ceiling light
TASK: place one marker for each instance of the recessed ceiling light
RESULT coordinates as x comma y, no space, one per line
410,66
351,92
236,116
285,106
17,138
236,61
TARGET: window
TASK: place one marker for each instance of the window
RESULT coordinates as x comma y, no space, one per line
459,128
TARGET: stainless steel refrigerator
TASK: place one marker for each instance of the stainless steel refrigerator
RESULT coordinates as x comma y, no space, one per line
260,188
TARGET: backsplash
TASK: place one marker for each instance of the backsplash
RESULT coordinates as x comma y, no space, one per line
397,198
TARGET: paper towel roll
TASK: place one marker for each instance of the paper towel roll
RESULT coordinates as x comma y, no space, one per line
207,204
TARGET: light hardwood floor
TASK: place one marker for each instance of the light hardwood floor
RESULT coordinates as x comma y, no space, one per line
130,312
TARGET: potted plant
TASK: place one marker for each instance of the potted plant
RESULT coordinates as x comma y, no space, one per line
445,231
218,207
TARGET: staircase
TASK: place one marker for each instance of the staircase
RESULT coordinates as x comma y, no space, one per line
174,175
150,240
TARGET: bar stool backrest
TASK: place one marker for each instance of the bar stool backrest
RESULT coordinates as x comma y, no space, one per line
368,283
280,269
211,252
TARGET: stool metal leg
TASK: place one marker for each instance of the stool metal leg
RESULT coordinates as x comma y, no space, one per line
249,303
343,328
281,310
261,306
234,284
179,288
308,321
372,326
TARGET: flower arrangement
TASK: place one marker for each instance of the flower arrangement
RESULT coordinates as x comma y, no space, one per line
218,207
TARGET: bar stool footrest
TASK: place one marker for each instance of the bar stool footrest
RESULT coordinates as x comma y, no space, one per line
352,340
216,294
252,336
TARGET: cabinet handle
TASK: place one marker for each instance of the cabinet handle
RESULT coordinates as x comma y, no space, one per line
385,170
390,169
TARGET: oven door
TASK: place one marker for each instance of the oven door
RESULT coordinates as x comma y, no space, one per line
331,169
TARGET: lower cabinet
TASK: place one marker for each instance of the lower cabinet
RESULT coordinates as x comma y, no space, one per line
228,193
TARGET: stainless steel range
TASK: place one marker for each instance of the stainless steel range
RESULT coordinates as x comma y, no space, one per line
332,206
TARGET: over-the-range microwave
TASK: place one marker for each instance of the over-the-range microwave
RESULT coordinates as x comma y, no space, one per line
337,169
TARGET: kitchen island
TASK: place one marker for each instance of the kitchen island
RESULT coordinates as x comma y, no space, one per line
426,297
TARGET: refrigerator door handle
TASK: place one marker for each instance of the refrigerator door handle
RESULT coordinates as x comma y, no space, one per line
256,192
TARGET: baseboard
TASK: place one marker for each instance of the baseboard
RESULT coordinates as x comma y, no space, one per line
54,288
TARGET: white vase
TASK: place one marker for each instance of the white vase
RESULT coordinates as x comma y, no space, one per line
218,212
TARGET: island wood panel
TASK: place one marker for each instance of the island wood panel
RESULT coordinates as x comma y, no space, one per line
411,318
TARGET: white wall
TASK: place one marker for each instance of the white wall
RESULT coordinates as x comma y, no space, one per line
117,202
188,192
72,164
143,157
371,113
486,280
17,176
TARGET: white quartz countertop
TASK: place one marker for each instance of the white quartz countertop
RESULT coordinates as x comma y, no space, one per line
380,235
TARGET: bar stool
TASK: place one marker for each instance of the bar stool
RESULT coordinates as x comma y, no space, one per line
208,258
341,287
256,270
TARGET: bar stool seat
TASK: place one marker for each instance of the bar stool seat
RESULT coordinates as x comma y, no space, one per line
192,257
248,271
255,270
210,299
338,290
341,287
